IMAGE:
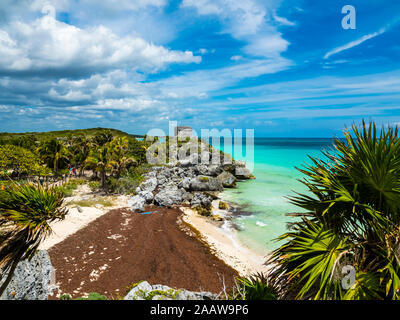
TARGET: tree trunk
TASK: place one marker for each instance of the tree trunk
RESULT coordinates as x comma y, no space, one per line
103,179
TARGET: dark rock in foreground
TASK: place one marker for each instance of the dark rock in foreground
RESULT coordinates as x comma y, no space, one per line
31,279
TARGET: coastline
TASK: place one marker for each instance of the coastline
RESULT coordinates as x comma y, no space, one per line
97,221
136,247
225,245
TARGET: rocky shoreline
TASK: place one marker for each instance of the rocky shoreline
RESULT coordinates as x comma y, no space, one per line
189,183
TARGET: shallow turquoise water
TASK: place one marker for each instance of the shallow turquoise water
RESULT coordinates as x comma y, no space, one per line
264,198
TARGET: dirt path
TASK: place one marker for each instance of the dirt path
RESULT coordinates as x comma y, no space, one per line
122,247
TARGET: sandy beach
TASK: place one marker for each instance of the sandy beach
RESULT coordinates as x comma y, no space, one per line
78,218
93,244
225,245
123,247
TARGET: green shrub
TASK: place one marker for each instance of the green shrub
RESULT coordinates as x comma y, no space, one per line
204,210
223,205
94,185
127,184
123,185
96,296
78,181
133,285
103,201
255,287
68,188
170,293
92,296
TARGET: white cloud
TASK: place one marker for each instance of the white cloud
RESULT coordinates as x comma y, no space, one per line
236,58
241,17
118,5
50,44
201,83
354,43
246,20
267,45
283,21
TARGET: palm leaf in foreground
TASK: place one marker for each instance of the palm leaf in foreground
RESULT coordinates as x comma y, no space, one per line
352,214
26,212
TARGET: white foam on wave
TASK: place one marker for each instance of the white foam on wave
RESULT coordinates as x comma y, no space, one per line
244,217
261,224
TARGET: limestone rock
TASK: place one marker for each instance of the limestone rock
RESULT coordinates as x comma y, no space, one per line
227,179
201,199
185,183
32,280
137,203
208,170
144,291
169,195
205,183
147,195
243,173
139,292
149,184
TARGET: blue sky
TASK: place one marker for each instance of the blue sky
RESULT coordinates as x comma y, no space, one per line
285,68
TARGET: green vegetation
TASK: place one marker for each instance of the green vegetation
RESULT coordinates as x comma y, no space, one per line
54,153
20,162
352,218
255,287
204,210
133,285
94,185
170,294
223,205
105,153
92,296
25,214
67,189
105,202
12,138
128,183
113,157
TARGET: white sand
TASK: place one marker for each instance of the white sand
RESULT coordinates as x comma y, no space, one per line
76,220
225,245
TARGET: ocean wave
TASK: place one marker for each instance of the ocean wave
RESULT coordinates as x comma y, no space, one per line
261,224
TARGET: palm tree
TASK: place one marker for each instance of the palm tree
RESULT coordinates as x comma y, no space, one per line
53,151
119,147
81,149
101,161
352,219
25,214
102,138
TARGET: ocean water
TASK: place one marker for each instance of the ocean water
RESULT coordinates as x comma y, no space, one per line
262,200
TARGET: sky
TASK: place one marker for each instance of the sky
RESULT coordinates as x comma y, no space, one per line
285,68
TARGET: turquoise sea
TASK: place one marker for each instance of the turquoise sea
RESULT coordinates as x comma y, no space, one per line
262,202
